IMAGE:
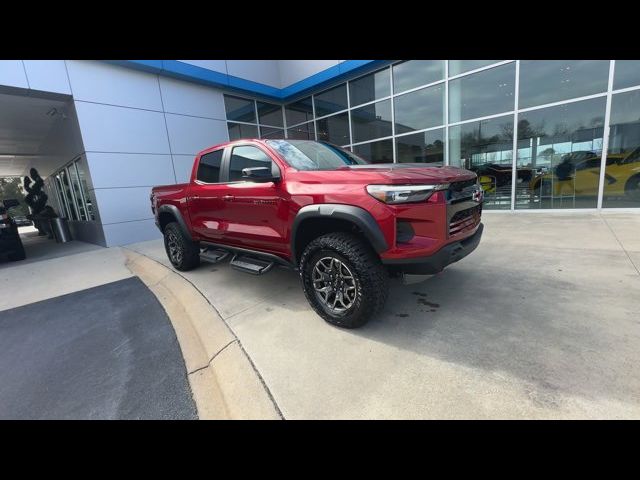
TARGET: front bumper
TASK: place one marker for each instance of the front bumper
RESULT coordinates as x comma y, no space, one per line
435,263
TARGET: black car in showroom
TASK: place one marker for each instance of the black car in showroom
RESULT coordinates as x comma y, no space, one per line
10,243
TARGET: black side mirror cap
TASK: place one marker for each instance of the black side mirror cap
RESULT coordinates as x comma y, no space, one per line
259,174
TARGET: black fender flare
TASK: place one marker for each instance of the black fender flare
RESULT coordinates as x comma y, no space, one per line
356,215
175,213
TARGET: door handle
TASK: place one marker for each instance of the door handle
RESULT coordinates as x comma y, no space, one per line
195,197
228,198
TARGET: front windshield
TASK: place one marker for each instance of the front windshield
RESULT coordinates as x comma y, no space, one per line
311,155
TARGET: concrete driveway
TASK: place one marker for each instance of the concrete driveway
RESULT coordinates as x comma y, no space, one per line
542,321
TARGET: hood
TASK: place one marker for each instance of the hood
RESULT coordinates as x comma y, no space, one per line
411,172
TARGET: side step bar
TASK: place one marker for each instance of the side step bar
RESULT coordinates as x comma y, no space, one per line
213,255
253,265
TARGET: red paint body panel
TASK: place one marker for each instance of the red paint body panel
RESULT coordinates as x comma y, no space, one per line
259,216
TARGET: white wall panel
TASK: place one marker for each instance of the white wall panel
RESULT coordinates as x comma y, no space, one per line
183,164
47,75
12,74
124,130
189,135
101,82
262,71
191,99
130,169
292,71
215,65
123,204
130,232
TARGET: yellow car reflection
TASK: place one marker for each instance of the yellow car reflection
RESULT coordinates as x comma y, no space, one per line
622,176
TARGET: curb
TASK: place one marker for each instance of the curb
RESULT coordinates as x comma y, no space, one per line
223,381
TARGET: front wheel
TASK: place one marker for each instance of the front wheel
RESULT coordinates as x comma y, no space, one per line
183,253
343,279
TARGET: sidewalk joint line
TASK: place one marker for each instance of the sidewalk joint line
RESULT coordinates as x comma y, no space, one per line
620,243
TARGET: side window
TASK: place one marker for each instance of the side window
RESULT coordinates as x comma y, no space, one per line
209,167
246,157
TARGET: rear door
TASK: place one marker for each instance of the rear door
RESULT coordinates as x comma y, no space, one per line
205,196
255,214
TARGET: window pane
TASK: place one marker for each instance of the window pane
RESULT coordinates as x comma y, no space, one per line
370,87
456,67
425,147
85,189
240,130
334,129
627,74
548,81
299,112
413,73
239,109
420,109
63,204
622,173
270,114
486,147
209,167
73,174
372,121
306,131
246,157
376,152
481,94
67,191
331,101
268,132
559,150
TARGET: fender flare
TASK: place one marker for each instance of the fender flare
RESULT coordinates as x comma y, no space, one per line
356,215
175,213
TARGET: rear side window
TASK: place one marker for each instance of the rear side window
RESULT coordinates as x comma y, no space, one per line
209,167
246,157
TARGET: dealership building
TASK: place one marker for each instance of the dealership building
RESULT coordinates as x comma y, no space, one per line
542,135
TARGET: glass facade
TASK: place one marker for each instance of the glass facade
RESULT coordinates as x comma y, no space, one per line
250,118
73,193
475,114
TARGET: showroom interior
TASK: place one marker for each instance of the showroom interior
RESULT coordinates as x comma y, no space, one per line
542,135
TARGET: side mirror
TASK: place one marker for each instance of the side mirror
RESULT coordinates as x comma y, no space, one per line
10,203
259,174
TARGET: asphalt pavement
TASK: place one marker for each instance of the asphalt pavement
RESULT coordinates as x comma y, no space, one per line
107,352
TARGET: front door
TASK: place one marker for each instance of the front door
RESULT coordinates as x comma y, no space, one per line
255,213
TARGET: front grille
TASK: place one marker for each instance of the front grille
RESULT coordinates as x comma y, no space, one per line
461,191
465,220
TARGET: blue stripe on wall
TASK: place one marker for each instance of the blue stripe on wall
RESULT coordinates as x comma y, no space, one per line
193,73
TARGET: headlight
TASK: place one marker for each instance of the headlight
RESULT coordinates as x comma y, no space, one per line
403,193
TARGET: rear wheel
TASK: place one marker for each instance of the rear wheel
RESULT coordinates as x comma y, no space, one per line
183,253
343,279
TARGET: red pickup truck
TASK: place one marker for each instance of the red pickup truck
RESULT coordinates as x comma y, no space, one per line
345,225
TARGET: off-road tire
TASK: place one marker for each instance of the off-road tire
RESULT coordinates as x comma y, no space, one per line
370,276
190,251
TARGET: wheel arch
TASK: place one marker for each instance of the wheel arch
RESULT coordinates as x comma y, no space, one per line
171,213
312,221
